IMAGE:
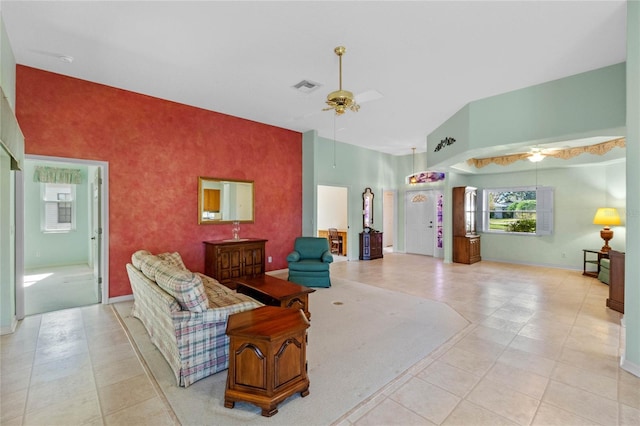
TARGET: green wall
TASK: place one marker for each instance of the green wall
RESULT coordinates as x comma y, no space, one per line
584,105
341,164
7,66
53,249
573,230
7,197
7,245
631,357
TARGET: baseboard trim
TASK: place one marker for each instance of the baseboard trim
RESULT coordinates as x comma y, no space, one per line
629,366
11,328
118,299
542,265
277,271
625,364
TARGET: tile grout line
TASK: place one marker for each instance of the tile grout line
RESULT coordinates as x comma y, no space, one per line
35,351
146,368
93,371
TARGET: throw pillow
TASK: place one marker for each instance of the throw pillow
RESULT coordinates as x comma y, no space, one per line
172,259
136,258
184,285
149,265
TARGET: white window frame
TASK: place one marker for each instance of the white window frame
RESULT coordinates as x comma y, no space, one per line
52,195
544,210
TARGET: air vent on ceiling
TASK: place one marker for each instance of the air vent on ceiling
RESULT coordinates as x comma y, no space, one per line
306,86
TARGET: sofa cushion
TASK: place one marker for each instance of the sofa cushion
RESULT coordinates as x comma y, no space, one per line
149,265
234,302
309,265
212,287
184,285
172,259
136,258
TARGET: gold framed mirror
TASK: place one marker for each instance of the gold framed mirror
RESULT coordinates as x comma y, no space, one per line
367,208
225,201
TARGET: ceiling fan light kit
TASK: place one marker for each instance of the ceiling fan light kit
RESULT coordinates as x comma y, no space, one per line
536,157
341,100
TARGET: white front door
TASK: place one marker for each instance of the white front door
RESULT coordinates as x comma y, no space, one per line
420,221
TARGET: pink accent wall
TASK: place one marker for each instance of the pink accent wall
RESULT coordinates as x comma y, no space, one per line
156,150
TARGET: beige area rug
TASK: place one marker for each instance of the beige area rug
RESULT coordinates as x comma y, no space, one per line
361,338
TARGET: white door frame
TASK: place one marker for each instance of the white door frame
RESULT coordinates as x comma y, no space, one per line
389,212
349,241
96,229
104,246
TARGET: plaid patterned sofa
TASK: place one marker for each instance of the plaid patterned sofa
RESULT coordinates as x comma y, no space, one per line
185,313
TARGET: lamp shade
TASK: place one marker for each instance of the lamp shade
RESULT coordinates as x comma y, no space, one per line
606,216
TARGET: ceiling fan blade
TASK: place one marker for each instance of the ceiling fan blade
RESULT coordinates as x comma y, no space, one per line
368,96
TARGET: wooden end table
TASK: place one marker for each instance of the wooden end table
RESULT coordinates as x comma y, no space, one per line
274,291
590,261
267,357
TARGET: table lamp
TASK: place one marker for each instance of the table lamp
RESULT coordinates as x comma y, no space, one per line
606,216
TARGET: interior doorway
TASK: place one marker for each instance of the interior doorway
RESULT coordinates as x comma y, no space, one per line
65,235
420,222
333,212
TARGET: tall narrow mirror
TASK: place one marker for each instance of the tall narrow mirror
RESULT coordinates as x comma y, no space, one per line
367,208
225,200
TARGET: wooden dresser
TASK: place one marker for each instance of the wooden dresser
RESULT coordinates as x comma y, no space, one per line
370,245
616,281
227,260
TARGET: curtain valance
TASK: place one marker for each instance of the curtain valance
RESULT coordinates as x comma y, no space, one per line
44,174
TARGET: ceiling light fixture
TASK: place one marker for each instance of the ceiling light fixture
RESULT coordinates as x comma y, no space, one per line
341,100
536,157
413,180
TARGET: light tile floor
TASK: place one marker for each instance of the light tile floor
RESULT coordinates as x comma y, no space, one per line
542,350
58,287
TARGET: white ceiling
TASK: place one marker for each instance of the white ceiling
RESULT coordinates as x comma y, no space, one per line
427,59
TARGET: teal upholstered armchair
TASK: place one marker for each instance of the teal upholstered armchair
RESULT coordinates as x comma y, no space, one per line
309,262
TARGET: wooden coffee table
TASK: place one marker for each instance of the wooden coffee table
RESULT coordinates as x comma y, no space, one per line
274,291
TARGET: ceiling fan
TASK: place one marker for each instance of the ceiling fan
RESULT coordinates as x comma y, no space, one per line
341,100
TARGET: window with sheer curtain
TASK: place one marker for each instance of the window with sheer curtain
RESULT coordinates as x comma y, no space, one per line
58,207
58,190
